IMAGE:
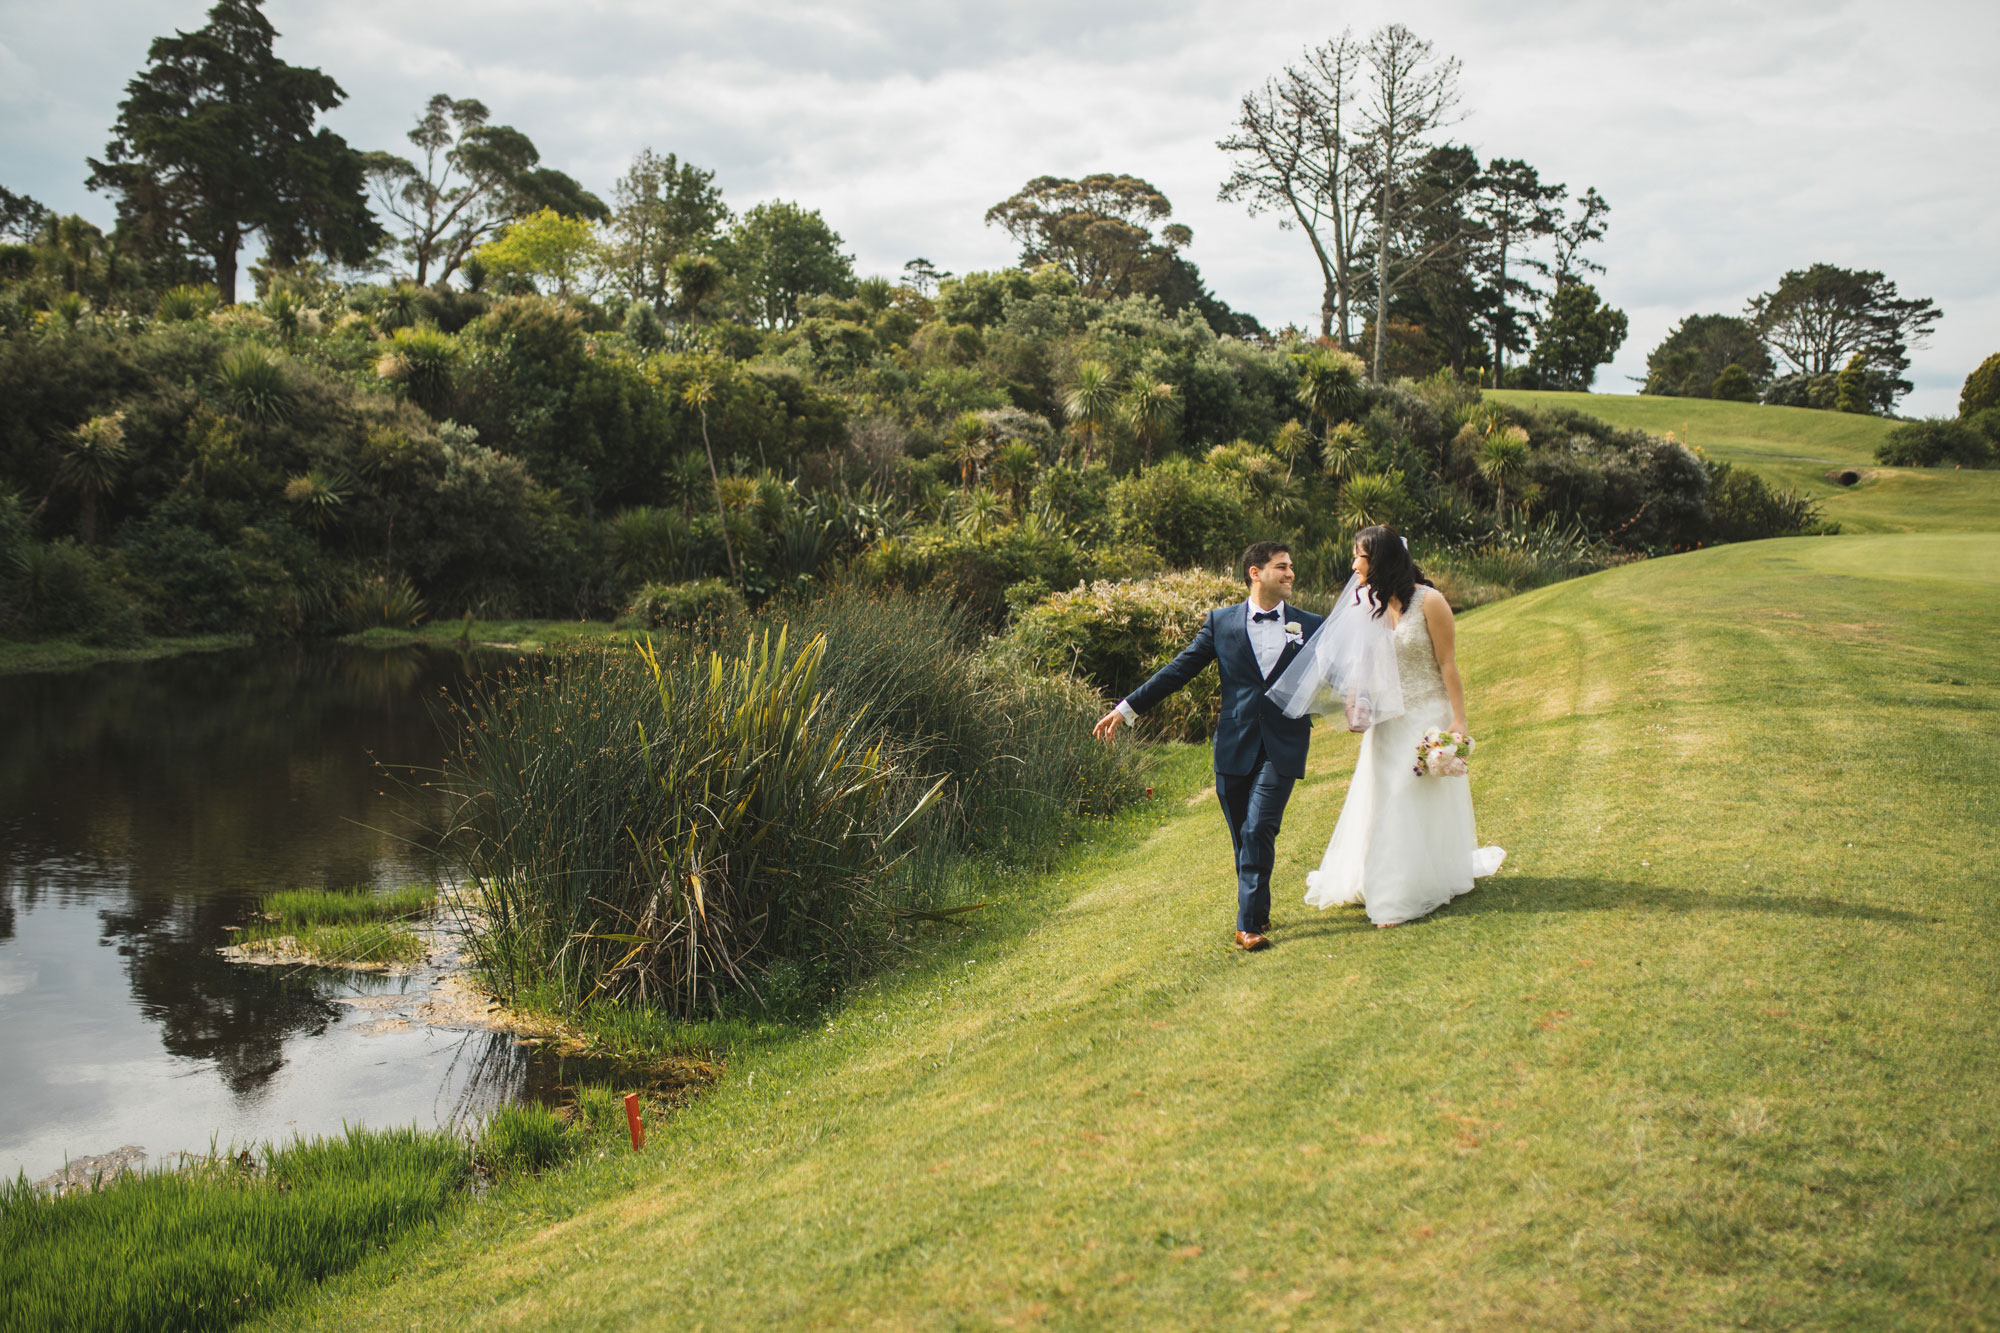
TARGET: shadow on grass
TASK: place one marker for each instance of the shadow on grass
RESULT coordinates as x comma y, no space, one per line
1538,895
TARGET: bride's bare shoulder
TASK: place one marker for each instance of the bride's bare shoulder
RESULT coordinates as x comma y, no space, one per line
1437,610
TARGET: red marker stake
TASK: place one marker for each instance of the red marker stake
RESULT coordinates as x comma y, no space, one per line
632,1121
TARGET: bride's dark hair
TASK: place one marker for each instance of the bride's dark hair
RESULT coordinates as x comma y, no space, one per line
1391,571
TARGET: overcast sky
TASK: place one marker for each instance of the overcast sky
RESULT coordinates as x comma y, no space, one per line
1732,142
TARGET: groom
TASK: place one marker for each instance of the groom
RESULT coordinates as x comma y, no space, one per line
1259,752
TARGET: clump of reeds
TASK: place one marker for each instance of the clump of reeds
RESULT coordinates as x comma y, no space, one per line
686,824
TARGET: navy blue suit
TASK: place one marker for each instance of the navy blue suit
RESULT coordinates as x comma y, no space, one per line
1259,752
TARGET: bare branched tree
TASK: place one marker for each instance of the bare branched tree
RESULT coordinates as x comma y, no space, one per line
1411,95
1297,155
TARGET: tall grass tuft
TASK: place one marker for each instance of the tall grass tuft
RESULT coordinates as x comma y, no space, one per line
344,925
687,825
212,1245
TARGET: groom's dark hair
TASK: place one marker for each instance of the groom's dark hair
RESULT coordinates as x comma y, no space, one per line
1258,554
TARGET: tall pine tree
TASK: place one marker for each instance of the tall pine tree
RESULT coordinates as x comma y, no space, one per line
215,143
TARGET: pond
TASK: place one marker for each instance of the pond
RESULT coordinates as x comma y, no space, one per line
144,808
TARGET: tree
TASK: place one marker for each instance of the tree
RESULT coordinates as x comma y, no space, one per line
1329,385
1517,210
1579,334
546,245
1089,402
1297,155
1150,407
94,456
666,208
778,254
20,216
1098,229
1502,459
1442,294
1982,387
214,143
924,276
1410,95
475,180
1586,227
698,394
1818,318
1698,349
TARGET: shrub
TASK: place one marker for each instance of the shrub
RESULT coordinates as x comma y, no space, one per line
62,588
184,578
1116,634
1744,508
1982,387
973,571
184,303
255,385
1189,513
1816,391
1935,442
650,545
382,602
423,361
1734,385
709,602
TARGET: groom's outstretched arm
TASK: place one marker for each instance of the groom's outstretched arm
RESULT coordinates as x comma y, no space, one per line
1184,668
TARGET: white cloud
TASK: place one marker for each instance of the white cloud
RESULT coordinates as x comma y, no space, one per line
1733,143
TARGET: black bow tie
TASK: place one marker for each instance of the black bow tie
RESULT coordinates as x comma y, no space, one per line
1263,615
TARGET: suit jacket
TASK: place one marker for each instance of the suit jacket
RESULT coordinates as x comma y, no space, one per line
1249,721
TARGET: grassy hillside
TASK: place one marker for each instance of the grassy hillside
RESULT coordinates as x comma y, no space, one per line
1716,1048
1798,447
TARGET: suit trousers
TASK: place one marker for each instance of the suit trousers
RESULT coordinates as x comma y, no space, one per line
1254,805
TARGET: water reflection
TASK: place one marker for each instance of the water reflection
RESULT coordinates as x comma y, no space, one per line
144,807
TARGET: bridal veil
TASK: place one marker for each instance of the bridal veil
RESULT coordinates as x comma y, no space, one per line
1347,668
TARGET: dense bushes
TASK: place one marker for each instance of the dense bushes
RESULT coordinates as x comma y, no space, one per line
684,605
248,468
1942,442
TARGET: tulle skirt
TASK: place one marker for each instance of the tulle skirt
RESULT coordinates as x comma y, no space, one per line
1404,846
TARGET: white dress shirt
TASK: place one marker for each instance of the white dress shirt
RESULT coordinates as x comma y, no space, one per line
1267,637
1267,641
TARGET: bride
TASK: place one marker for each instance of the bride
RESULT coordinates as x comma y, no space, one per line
1404,845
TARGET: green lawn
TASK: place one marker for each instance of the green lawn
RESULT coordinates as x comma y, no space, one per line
1797,447
1717,1048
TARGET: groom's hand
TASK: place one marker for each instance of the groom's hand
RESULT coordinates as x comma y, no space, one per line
1107,724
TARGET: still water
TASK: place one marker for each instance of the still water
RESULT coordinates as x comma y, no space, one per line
144,808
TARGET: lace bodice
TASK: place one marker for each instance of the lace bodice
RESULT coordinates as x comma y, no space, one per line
1416,659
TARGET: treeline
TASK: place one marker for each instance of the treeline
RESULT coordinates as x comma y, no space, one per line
1841,338
587,408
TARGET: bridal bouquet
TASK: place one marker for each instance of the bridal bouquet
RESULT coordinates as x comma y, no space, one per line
1442,754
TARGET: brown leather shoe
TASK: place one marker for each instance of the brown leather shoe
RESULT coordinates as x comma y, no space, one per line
1250,941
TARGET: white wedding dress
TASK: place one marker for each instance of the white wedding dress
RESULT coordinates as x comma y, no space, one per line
1405,845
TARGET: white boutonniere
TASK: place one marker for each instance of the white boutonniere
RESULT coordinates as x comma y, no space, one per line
1294,632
